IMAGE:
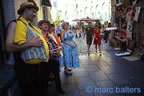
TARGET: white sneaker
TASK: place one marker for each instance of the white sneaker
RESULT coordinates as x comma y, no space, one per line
100,53
68,72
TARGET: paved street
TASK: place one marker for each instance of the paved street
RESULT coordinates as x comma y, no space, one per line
105,75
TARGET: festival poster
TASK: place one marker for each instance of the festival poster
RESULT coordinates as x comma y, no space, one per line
129,25
129,30
137,13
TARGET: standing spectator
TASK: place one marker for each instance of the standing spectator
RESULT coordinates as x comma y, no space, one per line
44,26
58,30
33,58
106,33
70,52
53,64
89,36
78,31
16,49
97,38
83,28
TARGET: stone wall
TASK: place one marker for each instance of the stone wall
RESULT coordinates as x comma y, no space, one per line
39,13
138,28
43,12
17,6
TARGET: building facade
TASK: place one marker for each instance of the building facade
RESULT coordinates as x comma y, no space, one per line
77,9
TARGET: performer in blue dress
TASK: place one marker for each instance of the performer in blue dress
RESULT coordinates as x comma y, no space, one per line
70,52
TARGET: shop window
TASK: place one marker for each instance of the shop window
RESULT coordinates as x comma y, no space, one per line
46,3
76,6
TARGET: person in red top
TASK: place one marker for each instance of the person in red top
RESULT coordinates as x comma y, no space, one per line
97,38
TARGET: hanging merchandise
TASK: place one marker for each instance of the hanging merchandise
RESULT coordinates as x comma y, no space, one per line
137,13
133,13
129,23
129,30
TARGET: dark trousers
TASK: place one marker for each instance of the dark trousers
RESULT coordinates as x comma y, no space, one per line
106,36
32,78
53,66
58,35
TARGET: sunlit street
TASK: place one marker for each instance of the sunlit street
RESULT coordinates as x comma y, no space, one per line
71,48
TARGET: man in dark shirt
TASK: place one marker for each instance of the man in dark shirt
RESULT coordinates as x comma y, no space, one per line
89,36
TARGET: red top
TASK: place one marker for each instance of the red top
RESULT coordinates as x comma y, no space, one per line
45,37
96,33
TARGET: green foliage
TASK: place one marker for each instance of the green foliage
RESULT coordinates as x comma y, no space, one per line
99,24
58,20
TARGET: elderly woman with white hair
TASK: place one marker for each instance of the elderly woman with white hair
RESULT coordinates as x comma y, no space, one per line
70,53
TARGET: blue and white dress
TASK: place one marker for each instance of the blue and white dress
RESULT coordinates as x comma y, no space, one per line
70,55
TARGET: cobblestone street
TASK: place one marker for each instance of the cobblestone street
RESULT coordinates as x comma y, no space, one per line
106,71
36,34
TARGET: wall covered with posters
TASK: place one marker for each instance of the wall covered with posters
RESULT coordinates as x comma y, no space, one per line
138,34
128,15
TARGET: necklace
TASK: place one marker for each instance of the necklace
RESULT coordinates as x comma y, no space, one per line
67,31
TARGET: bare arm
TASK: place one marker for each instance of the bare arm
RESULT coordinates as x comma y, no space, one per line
74,42
11,47
84,33
94,36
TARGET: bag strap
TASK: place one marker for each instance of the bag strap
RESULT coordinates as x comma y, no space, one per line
28,24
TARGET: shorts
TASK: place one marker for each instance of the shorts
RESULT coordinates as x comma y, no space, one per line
89,40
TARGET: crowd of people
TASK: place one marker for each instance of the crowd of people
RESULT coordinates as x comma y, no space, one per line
93,33
40,52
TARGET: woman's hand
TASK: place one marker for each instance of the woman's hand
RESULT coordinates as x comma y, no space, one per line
75,43
72,46
59,48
